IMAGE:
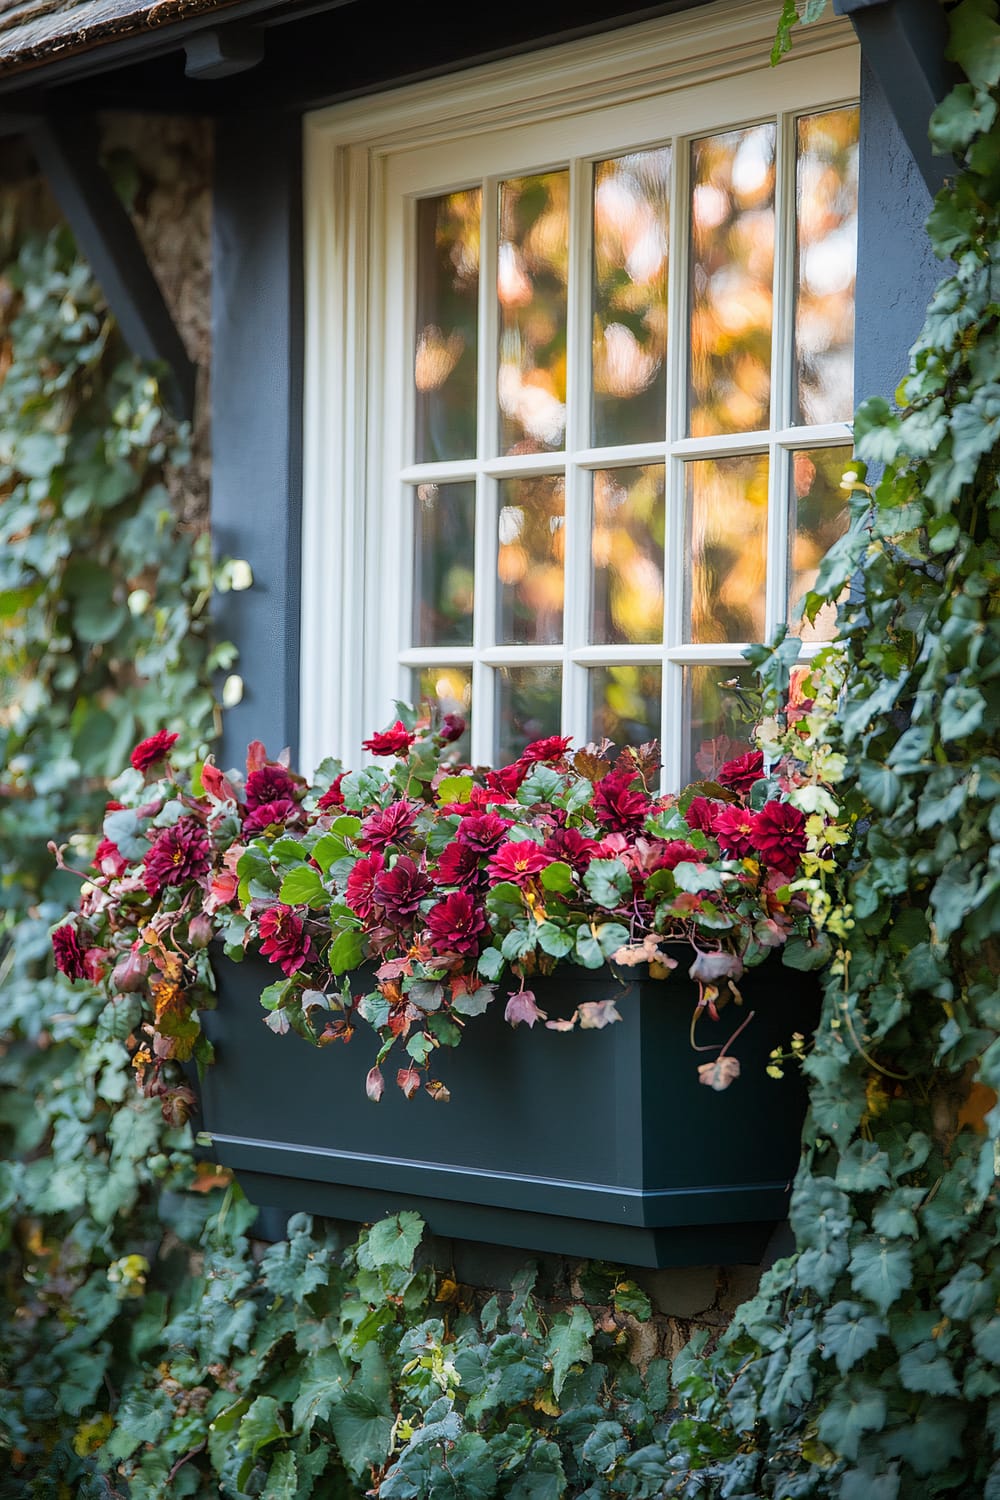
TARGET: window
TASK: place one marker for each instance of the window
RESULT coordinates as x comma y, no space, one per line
578,377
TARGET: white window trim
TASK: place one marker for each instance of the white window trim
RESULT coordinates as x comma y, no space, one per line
711,65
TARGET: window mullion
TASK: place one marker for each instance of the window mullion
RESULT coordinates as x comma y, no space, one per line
782,374
576,596
485,579
675,561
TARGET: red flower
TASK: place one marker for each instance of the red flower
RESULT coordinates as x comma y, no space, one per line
333,797
69,955
271,784
736,832
552,748
518,861
458,865
702,813
108,860
388,825
780,832
456,924
570,846
452,728
284,939
180,854
617,805
675,852
483,832
360,890
148,752
740,775
399,891
394,741
507,779
271,814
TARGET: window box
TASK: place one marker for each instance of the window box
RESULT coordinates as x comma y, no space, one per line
600,1145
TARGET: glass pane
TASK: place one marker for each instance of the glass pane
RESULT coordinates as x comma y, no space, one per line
726,548
631,207
444,368
732,264
826,221
819,515
448,690
532,271
528,708
444,545
721,706
531,545
627,552
625,704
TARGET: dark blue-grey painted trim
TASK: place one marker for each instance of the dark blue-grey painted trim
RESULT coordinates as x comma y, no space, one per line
67,152
257,416
904,42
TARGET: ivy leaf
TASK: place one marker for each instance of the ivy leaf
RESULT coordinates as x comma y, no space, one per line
490,966
127,831
852,1410
863,1167
926,1368
608,882
393,1241
569,1344
554,940
362,1419
588,949
474,1002
880,1272
933,1439
261,1426
849,1333
282,1481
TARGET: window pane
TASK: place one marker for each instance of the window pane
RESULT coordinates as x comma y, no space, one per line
631,207
726,548
531,544
625,704
444,543
448,690
819,515
532,272
732,266
528,708
826,207
720,708
627,555
444,370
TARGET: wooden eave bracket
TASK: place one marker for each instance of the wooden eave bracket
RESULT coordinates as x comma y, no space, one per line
67,152
904,43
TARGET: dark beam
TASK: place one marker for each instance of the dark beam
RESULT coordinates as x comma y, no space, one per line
904,43
67,153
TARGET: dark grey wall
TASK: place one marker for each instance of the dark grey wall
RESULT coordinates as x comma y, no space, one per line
897,271
257,415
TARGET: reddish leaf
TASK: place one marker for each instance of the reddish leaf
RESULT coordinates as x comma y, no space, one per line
522,1007
596,1014
711,966
719,1075
408,1079
438,1092
374,1084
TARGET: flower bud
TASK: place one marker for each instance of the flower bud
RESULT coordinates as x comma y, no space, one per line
201,930
452,728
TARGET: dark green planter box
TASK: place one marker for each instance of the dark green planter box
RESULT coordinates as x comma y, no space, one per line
594,1143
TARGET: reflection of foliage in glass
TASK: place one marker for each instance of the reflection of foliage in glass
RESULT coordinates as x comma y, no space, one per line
726,548
447,322
625,704
721,707
627,555
826,197
532,273
732,265
444,544
528,708
819,516
631,212
449,691
531,547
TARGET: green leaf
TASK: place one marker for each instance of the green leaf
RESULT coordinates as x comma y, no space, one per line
474,1002
393,1241
569,1344
849,1333
588,949
974,42
454,789
852,1410
362,1420
323,1381
557,877
491,963
261,1426
555,940
608,882
926,1368
346,951
881,1271
282,1481
303,887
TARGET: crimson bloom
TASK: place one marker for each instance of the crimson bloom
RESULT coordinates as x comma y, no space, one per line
333,797
394,741
483,832
458,865
452,728
571,847
780,833
518,861
456,924
109,860
270,784
507,779
736,832
399,891
284,939
618,805
271,814
387,826
69,954
554,747
156,748
740,775
360,889
180,854
675,852
702,814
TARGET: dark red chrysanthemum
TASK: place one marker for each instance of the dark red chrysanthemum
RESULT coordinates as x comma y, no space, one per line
399,891
780,834
618,804
394,741
109,860
360,891
518,861
180,854
69,954
284,939
333,797
452,728
675,852
736,831
507,779
570,846
552,748
148,752
480,798
270,784
271,815
387,826
458,865
456,924
702,813
483,832
740,775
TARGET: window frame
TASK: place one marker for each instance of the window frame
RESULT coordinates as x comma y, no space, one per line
707,68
